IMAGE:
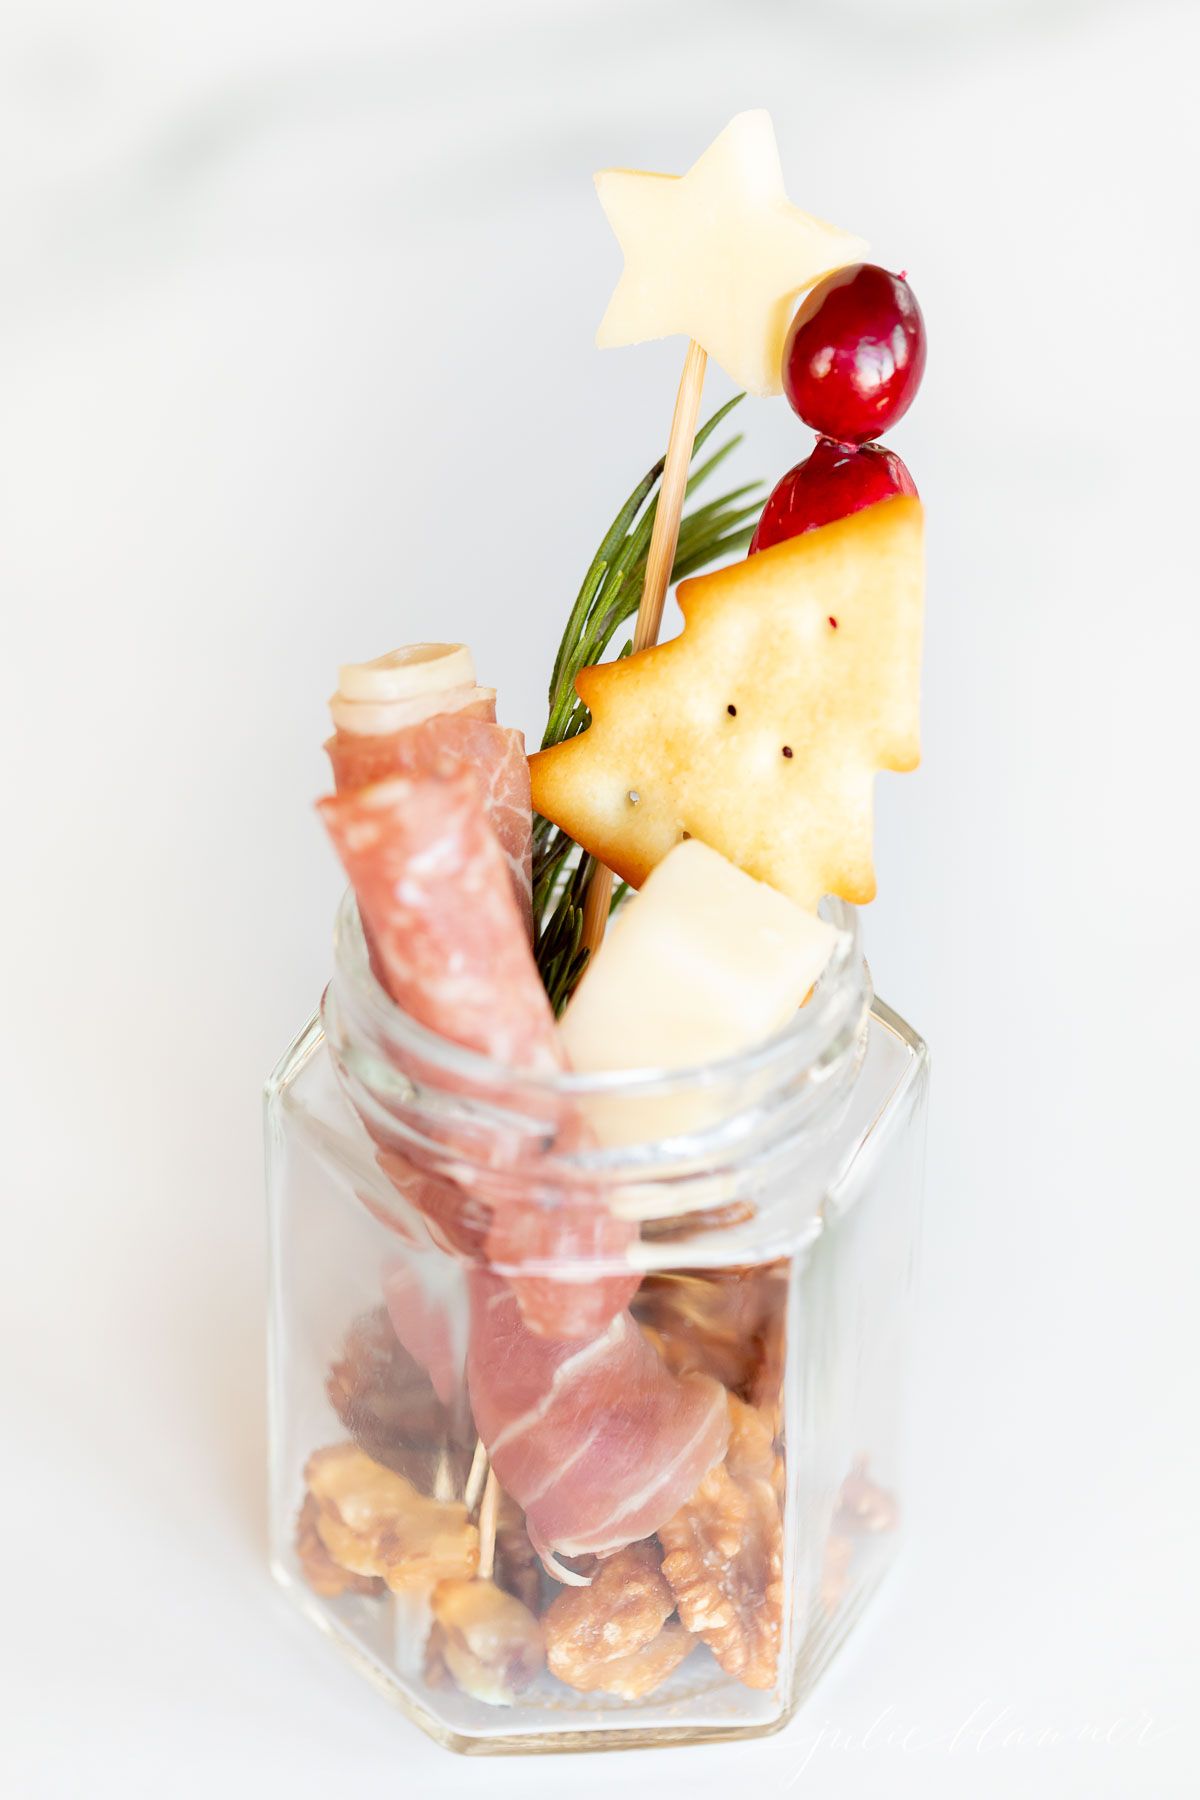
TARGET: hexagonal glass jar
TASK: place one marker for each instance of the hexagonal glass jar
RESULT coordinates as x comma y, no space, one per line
585,1392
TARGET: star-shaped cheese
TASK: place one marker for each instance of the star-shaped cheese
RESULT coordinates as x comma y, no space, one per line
759,730
718,254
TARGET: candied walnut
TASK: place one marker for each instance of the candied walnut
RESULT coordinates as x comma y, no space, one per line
835,1570
863,1505
323,1575
632,1677
752,1454
435,1672
518,1565
485,1640
387,1403
588,1630
375,1522
728,1323
724,1553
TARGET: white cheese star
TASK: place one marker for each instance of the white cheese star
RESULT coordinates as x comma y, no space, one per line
719,254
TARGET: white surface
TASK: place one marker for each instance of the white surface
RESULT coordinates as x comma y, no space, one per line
297,316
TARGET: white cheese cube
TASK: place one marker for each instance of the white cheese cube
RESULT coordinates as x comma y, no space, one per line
703,962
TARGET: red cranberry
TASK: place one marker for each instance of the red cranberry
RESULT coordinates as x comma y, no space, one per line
834,481
855,353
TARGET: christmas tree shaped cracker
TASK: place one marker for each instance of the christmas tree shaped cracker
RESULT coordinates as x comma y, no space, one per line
760,729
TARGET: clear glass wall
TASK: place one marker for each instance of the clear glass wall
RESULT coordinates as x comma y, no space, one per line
586,1403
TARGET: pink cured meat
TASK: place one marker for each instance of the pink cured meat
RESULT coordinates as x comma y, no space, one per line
468,738
434,897
360,758
563,1260
423,1322
580,1245
597,1441
448,944
457,1222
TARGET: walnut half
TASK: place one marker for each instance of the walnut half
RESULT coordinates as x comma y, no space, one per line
486,1640
386,1401
323,1575
724,1554
375,1522
632,1677
728,1323
518,1566
610,1637
865,1506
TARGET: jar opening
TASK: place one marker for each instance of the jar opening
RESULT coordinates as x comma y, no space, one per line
820,1033
745,1145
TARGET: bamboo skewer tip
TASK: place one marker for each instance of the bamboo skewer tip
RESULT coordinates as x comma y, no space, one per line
489,1508
476,1476
660,560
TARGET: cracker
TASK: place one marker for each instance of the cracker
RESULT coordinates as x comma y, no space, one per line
761,727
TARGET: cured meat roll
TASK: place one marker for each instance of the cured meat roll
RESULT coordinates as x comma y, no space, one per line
435,898
461,734
598,1441
450,947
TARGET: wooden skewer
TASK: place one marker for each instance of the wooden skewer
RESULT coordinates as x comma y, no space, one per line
489,1507
476,1476
664,538
660,560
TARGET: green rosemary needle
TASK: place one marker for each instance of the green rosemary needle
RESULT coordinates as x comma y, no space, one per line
608,599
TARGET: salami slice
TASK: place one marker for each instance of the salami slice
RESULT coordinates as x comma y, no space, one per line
449,946
466,738
445,928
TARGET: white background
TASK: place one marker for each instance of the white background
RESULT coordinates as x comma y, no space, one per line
297,313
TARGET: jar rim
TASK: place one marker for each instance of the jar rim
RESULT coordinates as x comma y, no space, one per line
826,1026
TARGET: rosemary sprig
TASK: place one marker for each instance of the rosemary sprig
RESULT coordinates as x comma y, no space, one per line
608,599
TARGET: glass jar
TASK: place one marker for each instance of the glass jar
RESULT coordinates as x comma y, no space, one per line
585,1390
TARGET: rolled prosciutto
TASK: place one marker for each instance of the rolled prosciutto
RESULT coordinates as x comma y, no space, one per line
597,1441
566,1258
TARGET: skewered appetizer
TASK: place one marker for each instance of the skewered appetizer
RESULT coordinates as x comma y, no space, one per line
569,1467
